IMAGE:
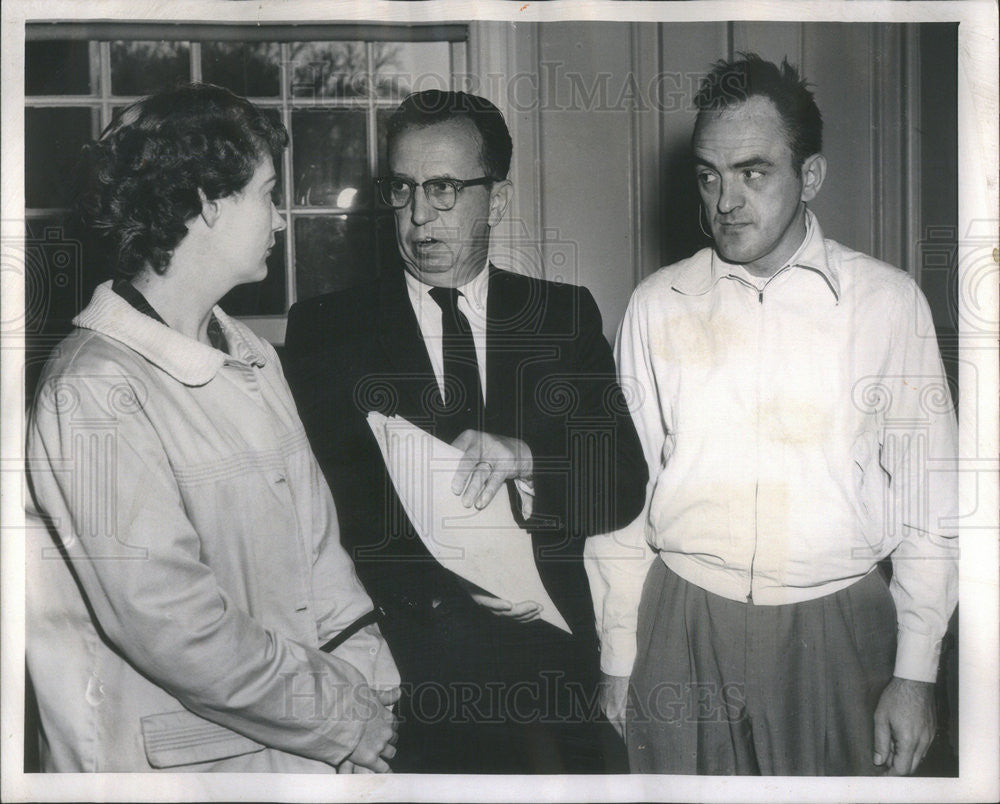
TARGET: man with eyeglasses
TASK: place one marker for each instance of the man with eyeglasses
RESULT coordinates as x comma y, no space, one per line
515,372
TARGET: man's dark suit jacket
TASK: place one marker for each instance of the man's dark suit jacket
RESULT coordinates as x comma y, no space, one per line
550,381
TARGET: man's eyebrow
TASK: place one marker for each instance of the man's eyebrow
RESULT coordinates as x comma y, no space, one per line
749,162
436,177
753,161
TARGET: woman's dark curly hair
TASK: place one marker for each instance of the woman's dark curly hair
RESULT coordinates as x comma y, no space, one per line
139,182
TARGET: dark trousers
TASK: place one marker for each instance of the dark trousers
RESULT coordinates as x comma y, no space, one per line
726,687
483,694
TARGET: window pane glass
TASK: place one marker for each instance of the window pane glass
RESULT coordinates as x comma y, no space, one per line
52,142
279,164
328,70
403,67
266,297
332,252
247,69
56,68
330,162
138,68
381,120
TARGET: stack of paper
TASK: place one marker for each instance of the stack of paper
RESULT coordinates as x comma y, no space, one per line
485,547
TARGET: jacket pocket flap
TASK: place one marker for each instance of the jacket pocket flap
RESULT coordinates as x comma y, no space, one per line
183,738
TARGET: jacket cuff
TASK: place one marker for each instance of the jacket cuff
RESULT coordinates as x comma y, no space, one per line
917,656
344,736
618,649
342,704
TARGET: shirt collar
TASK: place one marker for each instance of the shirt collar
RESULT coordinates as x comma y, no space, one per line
811,255
475,290
185,359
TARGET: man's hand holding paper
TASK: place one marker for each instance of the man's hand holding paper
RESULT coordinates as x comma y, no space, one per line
482,544
524,612
488,461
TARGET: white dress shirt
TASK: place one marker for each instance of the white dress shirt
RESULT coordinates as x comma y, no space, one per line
472,304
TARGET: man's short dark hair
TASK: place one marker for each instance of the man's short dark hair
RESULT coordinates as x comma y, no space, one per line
139,182
731,83
434,106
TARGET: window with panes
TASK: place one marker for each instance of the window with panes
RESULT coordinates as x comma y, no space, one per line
332,86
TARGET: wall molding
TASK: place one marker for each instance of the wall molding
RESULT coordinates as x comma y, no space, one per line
895,174
500,56
645,155
913,219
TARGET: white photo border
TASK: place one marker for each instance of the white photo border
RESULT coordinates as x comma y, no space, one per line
978,218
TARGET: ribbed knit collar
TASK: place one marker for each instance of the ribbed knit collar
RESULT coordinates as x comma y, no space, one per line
187,360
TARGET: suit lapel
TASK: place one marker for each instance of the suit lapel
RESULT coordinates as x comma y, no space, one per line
496,304
510,315
403,352
505,344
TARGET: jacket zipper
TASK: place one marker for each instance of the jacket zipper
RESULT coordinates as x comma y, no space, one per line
756,488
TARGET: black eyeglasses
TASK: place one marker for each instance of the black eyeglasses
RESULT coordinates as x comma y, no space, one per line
441,193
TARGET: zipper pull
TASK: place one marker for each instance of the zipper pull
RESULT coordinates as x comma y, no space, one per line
750,597
760,296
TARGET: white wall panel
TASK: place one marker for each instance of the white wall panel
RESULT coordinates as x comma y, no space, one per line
586,159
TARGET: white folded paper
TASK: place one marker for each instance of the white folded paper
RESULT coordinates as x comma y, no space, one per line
485,547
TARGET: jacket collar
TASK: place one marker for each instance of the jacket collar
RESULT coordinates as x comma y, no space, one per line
476,290
811,255
185,359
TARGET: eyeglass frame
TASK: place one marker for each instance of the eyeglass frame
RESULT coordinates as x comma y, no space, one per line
457,184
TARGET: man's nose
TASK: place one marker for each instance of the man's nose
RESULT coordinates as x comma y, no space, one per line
730,196
421,211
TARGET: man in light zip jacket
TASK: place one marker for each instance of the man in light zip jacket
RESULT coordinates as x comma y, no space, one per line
798,428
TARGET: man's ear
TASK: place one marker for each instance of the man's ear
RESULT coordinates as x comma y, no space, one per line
210,210
813,173
500,195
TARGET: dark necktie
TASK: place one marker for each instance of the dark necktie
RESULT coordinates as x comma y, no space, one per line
463,397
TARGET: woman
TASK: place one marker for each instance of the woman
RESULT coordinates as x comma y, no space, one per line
197,568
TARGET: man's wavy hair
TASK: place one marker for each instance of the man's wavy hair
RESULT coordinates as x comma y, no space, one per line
433,106
139,183
731,83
